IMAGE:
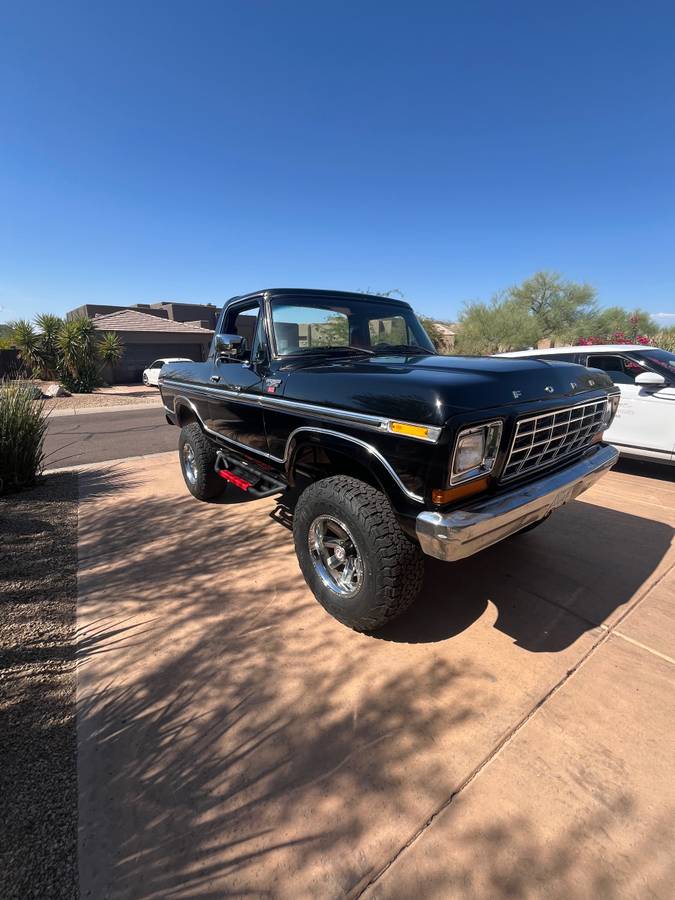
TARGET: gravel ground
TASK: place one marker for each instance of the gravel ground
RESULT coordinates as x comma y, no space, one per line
105,397
38,776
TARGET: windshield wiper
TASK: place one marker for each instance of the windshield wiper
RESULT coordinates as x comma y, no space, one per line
404,348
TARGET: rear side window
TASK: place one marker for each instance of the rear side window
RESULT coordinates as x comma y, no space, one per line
390,330
298,328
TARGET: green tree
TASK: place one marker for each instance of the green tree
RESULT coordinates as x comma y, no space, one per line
615,323
665,338
5,336
501,325
433,331
557,304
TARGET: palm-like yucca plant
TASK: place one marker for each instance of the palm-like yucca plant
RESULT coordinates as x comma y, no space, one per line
73,352
27,342
78,347
110,348
50,327
110,351
23,423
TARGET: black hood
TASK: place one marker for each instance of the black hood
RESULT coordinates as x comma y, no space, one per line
431,389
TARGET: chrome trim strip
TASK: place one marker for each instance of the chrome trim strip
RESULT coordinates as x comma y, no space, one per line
463,532
287,451
267,401
366,446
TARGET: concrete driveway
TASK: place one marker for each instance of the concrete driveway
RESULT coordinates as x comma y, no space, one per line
512,735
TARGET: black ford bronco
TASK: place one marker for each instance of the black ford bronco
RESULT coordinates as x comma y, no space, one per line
394,451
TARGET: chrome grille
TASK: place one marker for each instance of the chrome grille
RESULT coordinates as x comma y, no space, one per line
542,440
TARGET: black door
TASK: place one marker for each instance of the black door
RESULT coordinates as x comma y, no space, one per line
236,382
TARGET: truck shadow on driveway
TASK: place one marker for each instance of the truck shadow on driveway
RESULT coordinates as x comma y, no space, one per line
549,586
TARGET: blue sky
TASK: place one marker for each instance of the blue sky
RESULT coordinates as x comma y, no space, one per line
197,150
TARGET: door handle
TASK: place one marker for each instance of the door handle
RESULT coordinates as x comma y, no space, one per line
214,378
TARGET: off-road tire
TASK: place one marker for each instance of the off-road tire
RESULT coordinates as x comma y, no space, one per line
207,485
393,566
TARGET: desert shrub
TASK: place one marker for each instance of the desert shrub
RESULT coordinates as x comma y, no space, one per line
23,423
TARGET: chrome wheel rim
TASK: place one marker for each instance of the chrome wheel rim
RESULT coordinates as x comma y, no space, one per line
190,463
335,556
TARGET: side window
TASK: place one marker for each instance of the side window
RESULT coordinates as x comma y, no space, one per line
158,363
243,321
390,330
619,369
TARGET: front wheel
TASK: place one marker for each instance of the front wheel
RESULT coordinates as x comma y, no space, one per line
356,559
197,463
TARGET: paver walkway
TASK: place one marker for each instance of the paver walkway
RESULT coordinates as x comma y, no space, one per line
509,736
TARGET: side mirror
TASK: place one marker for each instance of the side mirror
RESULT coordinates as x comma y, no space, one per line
650,380
230,346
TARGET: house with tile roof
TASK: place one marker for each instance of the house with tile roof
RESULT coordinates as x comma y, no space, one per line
150,337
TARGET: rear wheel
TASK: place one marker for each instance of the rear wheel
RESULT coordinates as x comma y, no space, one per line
197,462
145,380
359,564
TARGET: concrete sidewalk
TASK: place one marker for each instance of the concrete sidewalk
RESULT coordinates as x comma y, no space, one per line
511,735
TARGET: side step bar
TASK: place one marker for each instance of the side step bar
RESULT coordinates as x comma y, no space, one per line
255,483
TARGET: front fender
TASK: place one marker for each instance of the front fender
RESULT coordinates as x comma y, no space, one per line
403,499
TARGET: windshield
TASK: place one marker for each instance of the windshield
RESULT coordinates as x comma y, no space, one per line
363,326
660,360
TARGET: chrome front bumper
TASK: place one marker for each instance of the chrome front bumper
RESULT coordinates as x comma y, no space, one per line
463,532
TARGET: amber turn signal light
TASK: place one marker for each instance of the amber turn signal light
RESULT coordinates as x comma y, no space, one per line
412,430
449,495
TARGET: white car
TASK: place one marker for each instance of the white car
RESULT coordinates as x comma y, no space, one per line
644,425
151,374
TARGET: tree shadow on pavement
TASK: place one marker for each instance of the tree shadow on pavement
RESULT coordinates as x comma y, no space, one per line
224,721
234,739
512,856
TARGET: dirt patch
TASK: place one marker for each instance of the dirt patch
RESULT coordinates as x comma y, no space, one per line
38,776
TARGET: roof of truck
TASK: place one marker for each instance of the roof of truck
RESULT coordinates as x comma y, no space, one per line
322,293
